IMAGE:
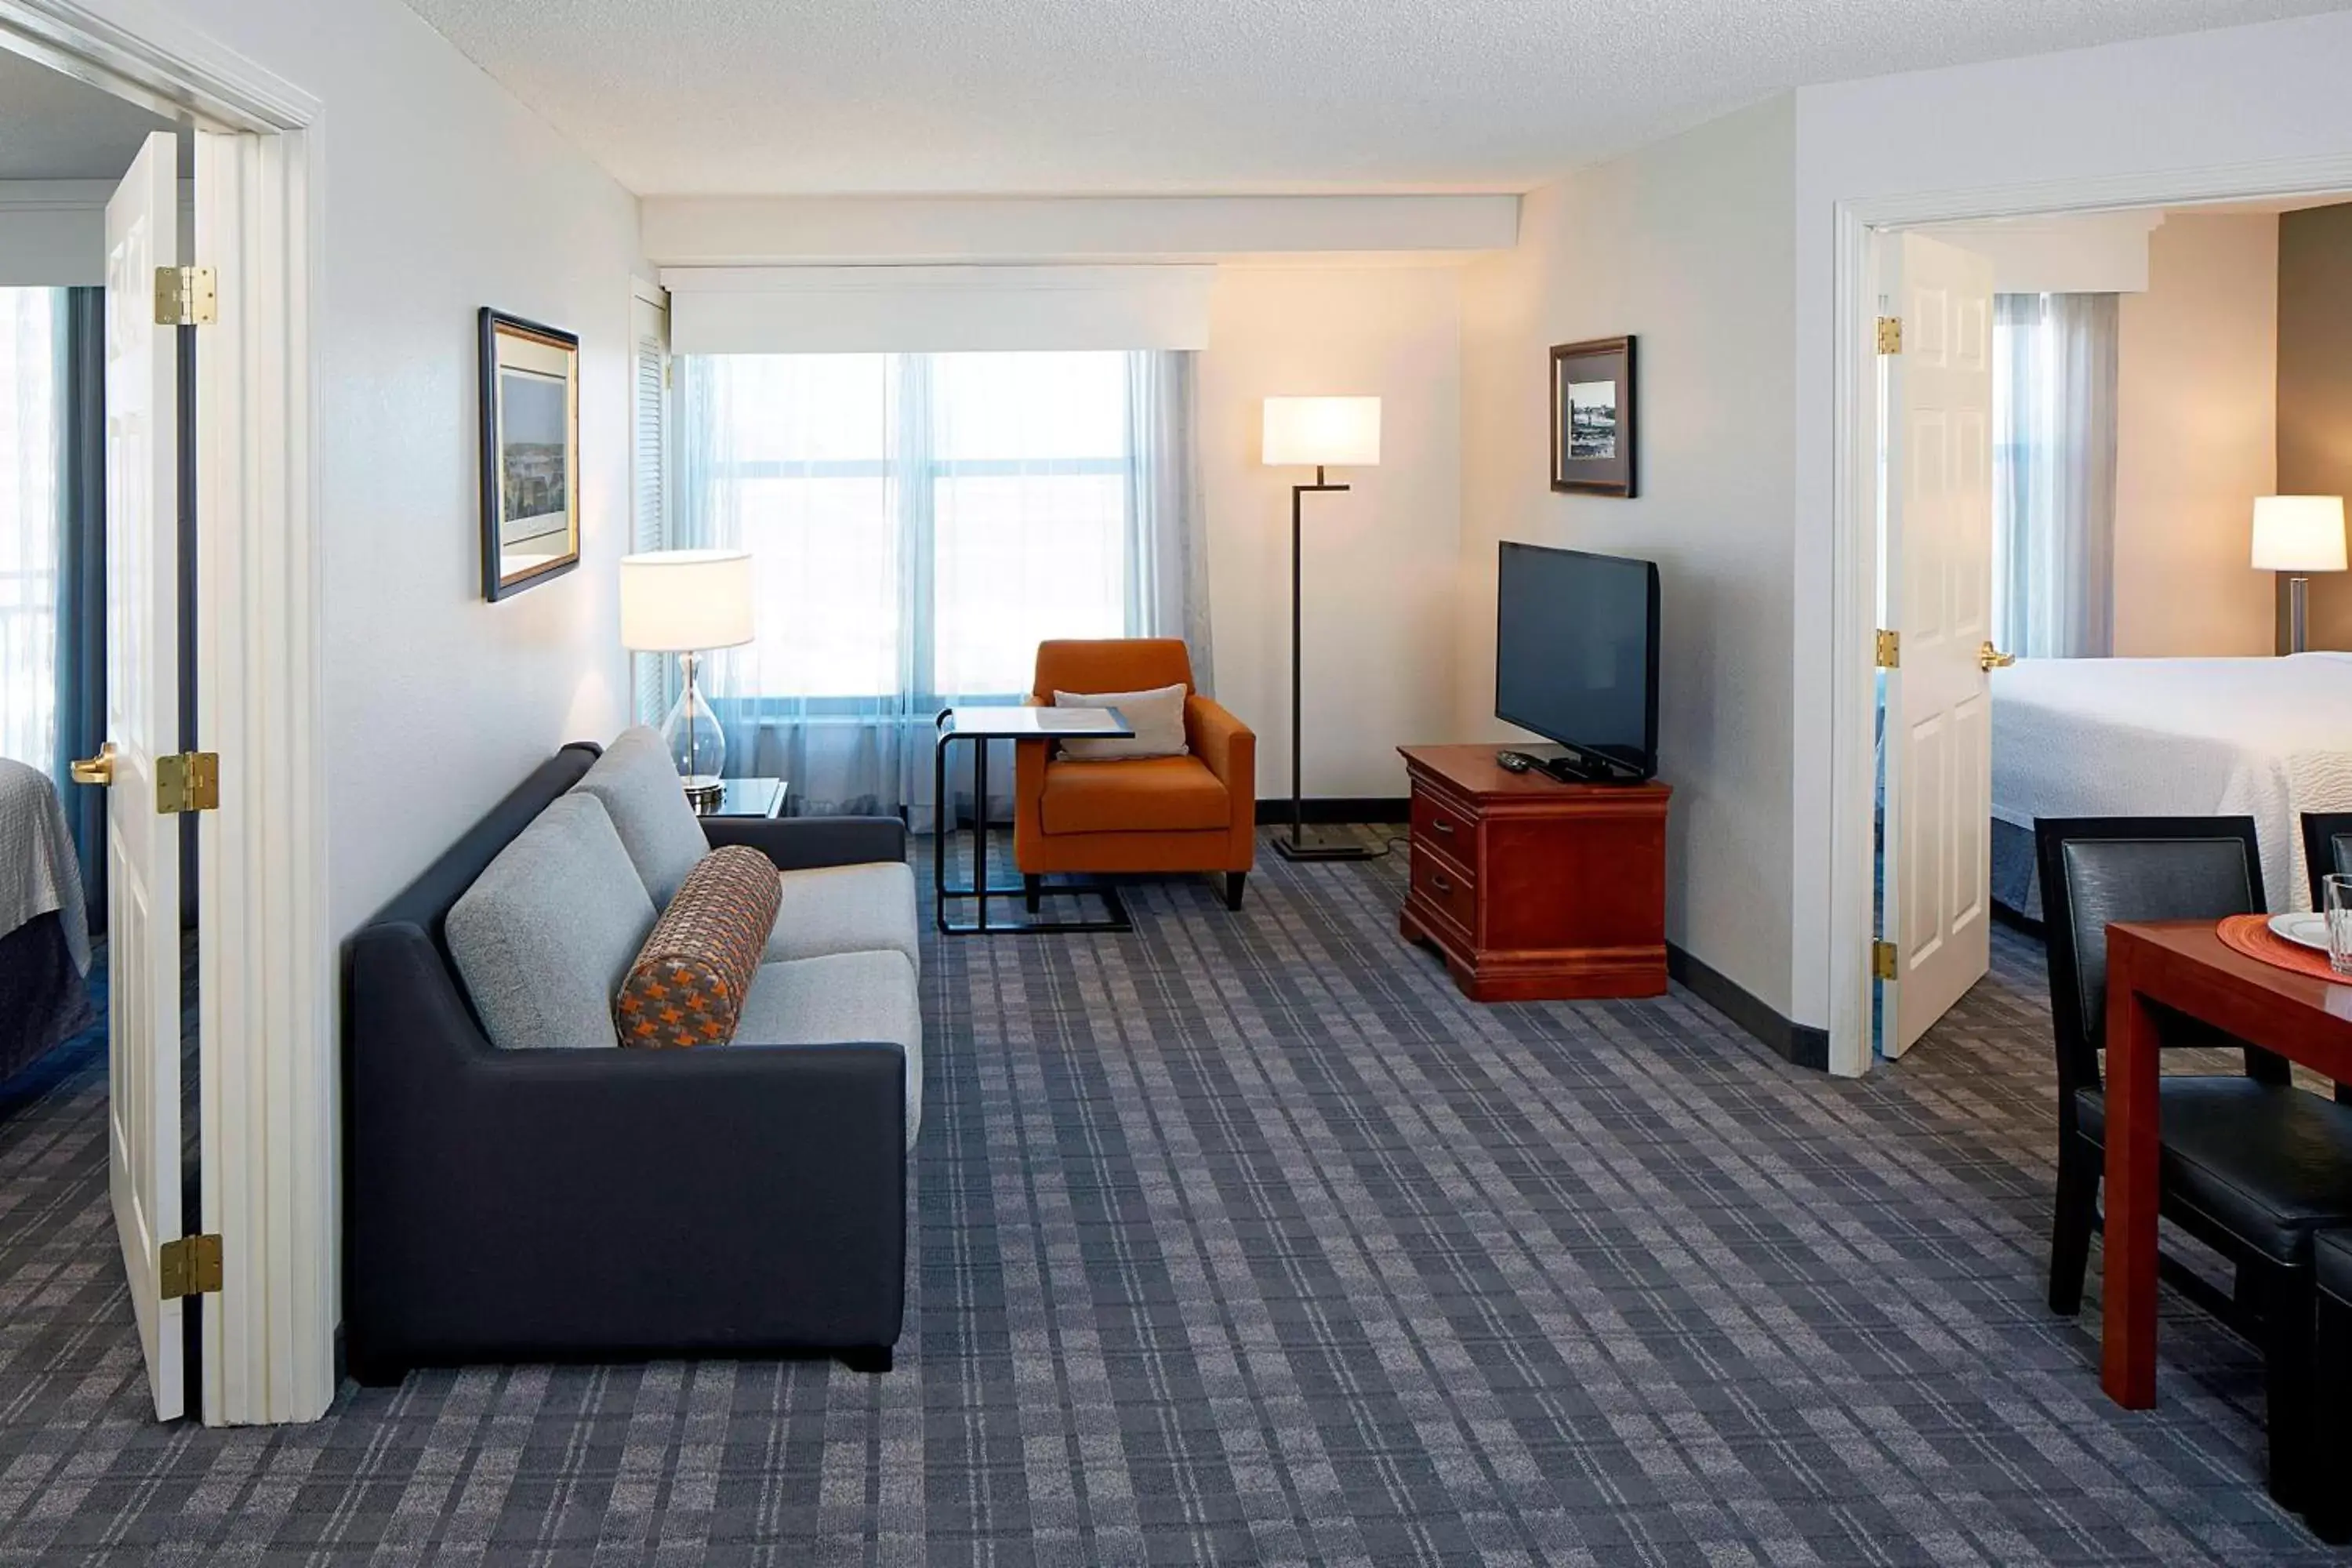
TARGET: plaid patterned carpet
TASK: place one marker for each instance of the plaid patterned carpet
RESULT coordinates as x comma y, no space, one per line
1246,1240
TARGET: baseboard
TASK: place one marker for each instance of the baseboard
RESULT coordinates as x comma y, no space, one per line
1801,1045
1338,808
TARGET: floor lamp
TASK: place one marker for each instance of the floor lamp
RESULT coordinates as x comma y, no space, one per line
1318,433
2295,534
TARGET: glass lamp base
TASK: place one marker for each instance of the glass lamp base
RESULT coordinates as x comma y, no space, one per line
698,747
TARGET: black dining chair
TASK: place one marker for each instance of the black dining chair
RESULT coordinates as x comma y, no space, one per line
2326,846
2330,1513
2249,1164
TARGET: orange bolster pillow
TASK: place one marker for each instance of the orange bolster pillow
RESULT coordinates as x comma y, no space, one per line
687,985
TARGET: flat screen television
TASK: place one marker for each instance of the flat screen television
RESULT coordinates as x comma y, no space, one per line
1576,658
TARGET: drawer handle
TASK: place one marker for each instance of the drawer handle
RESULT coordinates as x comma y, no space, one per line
1442,826
1437,880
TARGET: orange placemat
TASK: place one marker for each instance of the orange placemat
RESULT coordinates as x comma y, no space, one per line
2252,935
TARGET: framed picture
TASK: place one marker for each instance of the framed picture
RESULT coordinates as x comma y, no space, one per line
531,453
1592,418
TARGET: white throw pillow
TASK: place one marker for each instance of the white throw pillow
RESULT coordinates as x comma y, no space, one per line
1157,716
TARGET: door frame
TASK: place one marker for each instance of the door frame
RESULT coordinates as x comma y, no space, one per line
1854,514
266,975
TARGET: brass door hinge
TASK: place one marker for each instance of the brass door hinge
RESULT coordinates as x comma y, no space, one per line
187,782
189,1266
186,297
1890,650
1890,334
1882,960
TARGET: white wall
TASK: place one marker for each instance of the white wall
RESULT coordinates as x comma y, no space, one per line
1685,244
2197,438
441,194
2267,96
1380,560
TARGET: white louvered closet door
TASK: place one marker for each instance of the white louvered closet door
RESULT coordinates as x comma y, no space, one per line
651,674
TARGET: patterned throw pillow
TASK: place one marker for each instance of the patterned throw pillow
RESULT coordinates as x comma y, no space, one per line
687,985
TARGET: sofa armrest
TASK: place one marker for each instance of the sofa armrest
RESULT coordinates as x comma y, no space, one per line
1228,745
800,843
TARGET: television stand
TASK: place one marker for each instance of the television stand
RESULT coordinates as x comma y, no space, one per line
1570,769
1533,890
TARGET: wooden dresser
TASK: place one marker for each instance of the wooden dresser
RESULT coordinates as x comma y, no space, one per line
1533,890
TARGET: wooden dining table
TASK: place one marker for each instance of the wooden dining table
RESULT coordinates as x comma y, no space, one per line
2186,966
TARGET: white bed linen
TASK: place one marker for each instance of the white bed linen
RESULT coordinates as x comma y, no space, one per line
39,872
2268,738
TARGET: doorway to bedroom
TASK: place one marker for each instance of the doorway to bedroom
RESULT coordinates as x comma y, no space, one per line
2077,417
98,659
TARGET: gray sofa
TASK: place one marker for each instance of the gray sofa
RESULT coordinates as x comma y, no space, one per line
519,1187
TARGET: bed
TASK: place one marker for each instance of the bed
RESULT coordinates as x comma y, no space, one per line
2269,738
44,928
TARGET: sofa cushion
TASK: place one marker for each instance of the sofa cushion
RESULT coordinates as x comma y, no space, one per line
640,789
547,930
1156,716
689,979
1155,794
867,907
839,999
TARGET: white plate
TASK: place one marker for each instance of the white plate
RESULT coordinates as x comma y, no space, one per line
2306,930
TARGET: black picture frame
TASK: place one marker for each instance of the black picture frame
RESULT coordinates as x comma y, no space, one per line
530,385
1593,438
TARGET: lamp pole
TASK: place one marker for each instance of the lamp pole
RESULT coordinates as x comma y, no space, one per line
1295,847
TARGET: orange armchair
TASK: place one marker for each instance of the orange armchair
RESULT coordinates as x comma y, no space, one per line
1194,813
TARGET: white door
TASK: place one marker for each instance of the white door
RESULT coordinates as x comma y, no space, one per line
142,687
1938,543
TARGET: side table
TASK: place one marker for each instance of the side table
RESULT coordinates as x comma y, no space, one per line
981,724
747,797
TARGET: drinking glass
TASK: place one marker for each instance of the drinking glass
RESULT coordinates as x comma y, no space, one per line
2336,900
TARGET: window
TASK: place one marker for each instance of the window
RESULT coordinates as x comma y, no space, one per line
2053,474
920,522
29,525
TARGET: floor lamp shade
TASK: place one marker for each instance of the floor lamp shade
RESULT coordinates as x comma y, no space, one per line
1322,432
681,602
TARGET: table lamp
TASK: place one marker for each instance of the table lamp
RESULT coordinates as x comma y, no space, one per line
683,602
1317,432
2298,534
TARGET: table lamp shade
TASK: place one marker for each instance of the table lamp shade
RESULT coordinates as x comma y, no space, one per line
1317,432
677,601
2299,533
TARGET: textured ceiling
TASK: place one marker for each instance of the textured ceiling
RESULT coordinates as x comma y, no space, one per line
709,97
55,128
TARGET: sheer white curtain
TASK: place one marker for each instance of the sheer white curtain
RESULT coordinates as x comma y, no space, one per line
30,457
920,523
2055,474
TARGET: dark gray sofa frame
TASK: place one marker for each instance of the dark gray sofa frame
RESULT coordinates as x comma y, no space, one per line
563,1204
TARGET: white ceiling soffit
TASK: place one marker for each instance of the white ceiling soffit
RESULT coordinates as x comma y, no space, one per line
2086,253
1087,97
934,309
717,231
